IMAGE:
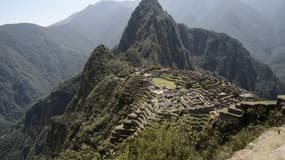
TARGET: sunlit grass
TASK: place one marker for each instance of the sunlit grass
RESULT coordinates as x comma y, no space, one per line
160,82
261,103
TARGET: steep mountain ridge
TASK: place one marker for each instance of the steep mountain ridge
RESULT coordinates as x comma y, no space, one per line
155,36
274,12
227,57
235,18
27,138
33,60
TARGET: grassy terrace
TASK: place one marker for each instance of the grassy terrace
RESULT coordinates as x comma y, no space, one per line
260,103
161,82
281,97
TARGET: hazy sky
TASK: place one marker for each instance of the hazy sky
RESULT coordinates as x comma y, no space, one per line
42,12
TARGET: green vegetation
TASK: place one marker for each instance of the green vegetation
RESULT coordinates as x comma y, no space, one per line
207,83
192,139
85,153
169,141
33,60
239,141
261,103
161,82
165,142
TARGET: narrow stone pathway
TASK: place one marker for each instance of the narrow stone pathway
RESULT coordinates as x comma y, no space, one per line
269,146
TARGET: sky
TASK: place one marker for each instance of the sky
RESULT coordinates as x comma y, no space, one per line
41,12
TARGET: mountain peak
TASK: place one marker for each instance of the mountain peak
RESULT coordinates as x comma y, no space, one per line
153,34
150,3
95,68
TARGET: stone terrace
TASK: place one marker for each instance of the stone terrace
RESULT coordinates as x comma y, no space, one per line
237,111
196,95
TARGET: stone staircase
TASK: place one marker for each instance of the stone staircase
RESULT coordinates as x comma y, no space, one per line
136,121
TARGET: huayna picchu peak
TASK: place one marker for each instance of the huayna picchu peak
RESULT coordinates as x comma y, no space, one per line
153,34
166,92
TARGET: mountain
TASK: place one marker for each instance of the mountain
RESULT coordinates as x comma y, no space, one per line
33,60
101,23
248,21
273,11
227,57
29,134
235,18
153,34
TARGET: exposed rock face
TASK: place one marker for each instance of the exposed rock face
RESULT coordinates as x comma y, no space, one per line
154,35
227,57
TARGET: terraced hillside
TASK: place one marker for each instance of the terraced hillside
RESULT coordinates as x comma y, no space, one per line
240,110
140,99
204,95
208,135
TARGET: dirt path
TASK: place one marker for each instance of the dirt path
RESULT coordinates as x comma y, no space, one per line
269,146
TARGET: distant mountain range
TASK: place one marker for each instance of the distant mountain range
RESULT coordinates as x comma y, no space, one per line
102,23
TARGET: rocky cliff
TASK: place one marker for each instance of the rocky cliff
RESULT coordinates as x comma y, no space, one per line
154,35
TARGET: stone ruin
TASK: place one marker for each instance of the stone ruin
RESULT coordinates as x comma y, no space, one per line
202,99
237,112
